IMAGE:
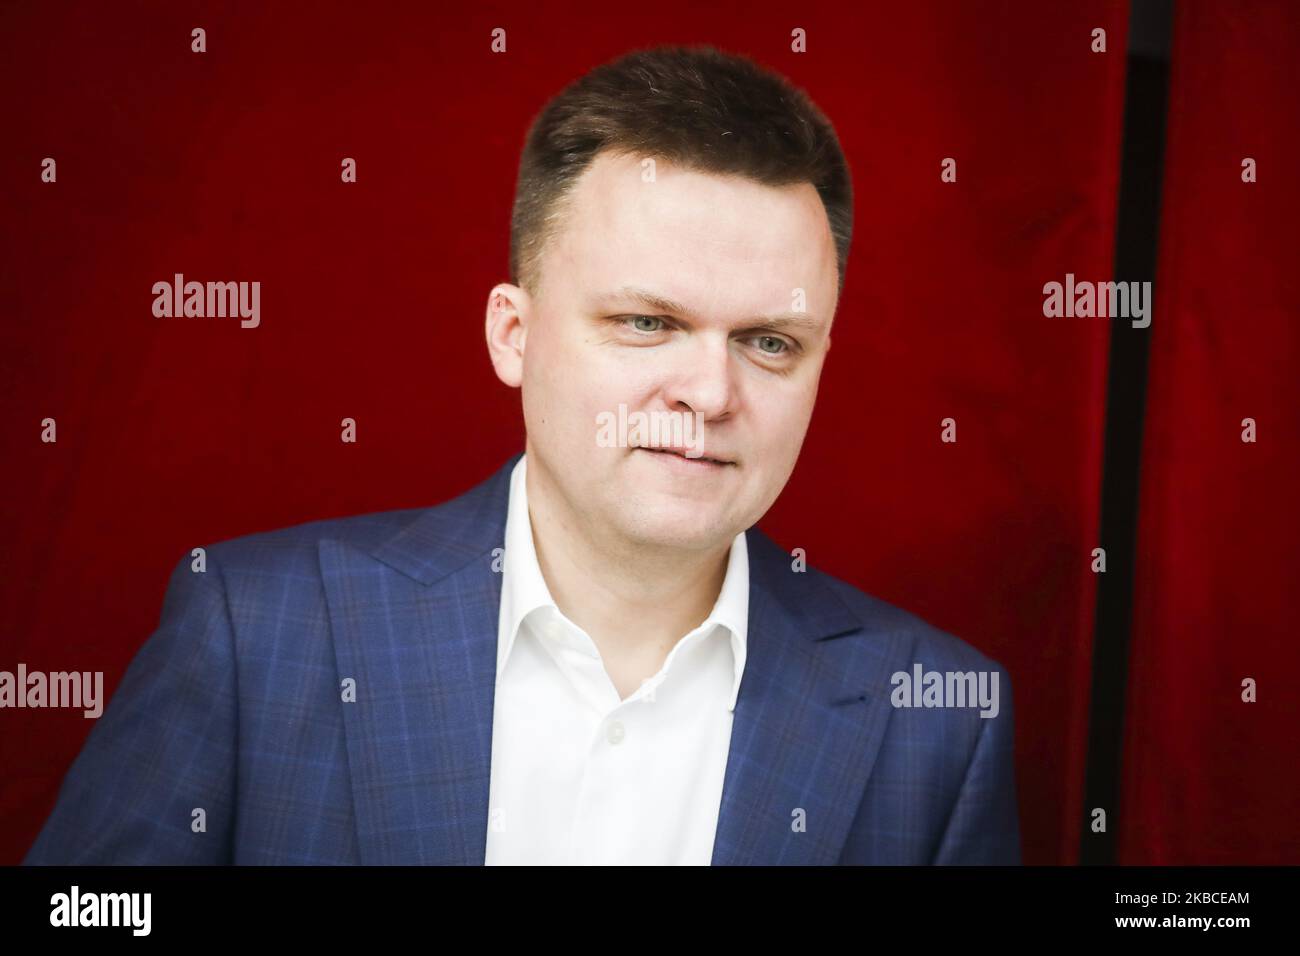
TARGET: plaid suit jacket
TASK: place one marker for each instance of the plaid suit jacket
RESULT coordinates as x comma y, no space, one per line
241,706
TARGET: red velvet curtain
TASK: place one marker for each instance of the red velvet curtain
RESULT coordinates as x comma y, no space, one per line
1209,777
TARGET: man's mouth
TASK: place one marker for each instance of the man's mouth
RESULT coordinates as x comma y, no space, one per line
681,453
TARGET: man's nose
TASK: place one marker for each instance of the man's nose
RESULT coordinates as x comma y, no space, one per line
703,378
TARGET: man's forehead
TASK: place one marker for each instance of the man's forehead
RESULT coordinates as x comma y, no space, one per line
686,236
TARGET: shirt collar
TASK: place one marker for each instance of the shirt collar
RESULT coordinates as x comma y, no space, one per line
524,590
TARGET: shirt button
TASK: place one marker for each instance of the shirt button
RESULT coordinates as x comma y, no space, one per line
614,733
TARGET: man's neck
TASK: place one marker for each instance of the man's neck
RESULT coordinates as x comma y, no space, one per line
634,602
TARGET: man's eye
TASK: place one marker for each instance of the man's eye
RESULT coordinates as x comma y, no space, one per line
638,319
780,344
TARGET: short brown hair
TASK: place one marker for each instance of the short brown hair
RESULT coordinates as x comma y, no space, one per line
696,106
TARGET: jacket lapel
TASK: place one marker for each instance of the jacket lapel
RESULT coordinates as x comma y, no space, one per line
414,622
809,719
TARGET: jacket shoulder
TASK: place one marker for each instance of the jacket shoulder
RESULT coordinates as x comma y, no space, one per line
931,645
293,548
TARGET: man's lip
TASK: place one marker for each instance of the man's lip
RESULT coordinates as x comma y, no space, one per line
681,452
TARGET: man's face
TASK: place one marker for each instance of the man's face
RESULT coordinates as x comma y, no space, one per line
746,275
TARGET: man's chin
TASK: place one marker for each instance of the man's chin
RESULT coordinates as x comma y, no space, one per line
676,524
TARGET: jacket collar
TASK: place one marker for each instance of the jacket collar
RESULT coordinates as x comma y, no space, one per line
443,540
414,621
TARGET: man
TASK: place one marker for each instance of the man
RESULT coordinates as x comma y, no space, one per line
593,656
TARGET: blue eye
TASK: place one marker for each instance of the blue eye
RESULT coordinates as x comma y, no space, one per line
772,338
647,318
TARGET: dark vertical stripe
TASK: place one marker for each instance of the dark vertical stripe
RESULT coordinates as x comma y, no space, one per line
1137,236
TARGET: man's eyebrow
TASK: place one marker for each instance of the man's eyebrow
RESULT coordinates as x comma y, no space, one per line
654,303
790,322
647,300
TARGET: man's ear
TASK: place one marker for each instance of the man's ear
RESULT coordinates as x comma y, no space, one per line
509,310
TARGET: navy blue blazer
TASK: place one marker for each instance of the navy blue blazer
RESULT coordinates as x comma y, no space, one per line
234,707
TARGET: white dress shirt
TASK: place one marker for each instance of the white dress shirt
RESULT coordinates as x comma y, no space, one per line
580,776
